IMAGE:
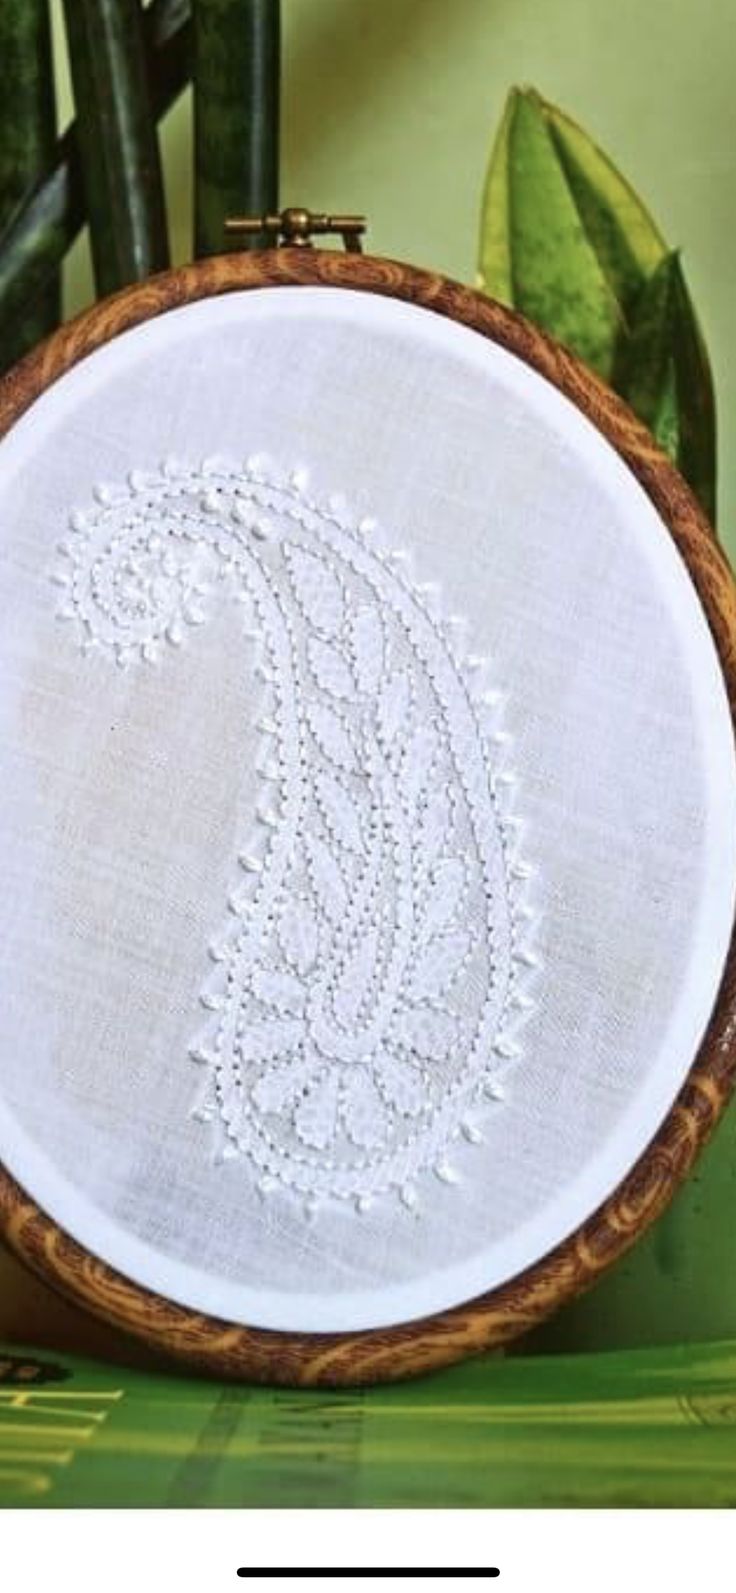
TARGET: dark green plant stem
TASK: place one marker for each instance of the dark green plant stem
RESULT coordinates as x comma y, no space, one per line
118,141
52,213
236,116
27,139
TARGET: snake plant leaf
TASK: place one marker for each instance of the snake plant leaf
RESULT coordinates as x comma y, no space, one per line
535,252
664,374
27,139
236,117
494,267
566,240
626,240
52,211
550,191
118,141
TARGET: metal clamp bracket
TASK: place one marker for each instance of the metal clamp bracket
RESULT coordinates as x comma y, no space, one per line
295,228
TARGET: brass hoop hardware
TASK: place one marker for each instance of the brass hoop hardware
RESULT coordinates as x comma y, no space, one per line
294,228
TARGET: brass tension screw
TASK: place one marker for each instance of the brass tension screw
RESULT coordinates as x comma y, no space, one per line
295,228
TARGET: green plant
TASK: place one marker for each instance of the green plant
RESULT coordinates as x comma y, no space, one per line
51,209
29,133
118,141
236,115
129,63
565,240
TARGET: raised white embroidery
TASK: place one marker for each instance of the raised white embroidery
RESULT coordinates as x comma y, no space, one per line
371,978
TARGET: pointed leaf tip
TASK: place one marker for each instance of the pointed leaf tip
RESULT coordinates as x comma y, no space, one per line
566,240
534,247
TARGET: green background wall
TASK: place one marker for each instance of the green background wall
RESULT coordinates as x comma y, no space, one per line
390,107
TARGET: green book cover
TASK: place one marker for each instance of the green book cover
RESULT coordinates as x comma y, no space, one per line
638,1428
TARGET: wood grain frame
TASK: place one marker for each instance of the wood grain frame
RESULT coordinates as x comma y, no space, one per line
231,1351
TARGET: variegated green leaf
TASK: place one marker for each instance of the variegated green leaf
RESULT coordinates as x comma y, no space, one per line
628,245
664,374
494,265
567,241
552,269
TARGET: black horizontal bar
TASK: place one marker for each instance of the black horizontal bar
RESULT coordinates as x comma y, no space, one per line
368,1570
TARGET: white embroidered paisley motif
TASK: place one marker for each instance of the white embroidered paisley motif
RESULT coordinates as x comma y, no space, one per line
370,978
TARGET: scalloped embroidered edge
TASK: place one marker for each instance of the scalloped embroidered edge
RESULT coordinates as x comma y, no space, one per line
145,490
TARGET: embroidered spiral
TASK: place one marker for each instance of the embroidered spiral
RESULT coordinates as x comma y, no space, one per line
373,969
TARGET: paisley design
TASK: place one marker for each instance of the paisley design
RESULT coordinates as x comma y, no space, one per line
371,976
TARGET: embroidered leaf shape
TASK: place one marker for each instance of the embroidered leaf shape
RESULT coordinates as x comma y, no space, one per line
279,990
427,1033
354,983
327,881
331,736
401,1084
272,1037
315,1116
363,1111
276,1089
383,836
434,823
416,766
298,935
367,639
438,965
393,706
316,589
444,895
330,669
339,811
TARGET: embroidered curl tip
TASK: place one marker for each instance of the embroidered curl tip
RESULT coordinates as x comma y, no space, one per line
376,961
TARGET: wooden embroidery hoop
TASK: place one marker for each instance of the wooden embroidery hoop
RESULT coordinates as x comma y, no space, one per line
227,1350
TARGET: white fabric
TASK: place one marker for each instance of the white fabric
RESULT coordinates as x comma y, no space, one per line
372,971
128,795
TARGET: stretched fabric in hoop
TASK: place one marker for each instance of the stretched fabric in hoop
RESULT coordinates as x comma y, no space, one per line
364,993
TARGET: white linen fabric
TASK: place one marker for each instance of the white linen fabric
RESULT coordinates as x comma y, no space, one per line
422,1061
375,964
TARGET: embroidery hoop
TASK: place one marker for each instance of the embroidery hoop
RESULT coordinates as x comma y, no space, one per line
496,1317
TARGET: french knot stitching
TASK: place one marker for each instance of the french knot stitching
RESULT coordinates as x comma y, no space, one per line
376,962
